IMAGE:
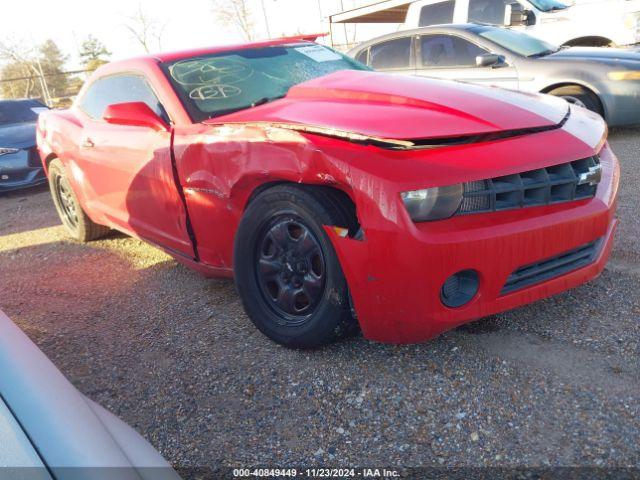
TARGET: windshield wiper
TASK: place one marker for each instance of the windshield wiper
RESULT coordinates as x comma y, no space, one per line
257,103
263,100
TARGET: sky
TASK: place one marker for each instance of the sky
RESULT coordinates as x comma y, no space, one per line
189,23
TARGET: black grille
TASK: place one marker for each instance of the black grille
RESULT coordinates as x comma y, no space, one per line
556,184
553,267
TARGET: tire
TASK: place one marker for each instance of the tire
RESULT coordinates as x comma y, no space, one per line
78,224
581,96
286,270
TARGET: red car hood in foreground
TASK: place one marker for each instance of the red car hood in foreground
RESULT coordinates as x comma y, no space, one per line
402,107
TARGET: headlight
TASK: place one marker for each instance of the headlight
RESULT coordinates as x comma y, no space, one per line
624,75
7,151
433,203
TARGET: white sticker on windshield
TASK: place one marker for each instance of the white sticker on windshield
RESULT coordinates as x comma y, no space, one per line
38,110
319,53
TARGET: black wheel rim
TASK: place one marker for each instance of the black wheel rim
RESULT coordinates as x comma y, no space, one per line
66,201
290,269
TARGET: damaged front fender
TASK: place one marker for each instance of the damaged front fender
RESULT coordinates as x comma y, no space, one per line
220,167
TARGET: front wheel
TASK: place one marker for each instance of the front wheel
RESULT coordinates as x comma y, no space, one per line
287,272
73,217
580,96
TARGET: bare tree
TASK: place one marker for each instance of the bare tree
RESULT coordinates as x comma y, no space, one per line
26,59
146,30
235,13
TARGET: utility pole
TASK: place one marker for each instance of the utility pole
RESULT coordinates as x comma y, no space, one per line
43,83
266,20
344,25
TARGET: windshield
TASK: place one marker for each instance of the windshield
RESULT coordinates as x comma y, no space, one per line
22,111
548,5
230,81
516,42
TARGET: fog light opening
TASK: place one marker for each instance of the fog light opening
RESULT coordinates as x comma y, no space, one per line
460,288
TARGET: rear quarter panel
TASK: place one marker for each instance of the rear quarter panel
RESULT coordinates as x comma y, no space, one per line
58,136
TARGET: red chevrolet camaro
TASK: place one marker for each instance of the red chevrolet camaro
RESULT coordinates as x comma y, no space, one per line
336,195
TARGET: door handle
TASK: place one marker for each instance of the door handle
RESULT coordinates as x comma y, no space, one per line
88,143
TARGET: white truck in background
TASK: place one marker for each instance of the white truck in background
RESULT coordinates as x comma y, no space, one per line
580,22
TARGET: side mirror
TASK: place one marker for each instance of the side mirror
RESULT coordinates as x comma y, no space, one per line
489,60
134,114
516,15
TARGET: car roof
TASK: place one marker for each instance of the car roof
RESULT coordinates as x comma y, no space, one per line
168,57
124,65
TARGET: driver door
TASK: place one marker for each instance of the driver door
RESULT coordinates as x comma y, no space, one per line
452,57
128,171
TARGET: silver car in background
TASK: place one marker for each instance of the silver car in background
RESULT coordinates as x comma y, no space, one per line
604,80
50,431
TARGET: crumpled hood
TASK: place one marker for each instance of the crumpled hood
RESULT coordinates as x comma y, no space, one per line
405,107
18,135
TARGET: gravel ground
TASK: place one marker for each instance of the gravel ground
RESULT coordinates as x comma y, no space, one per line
553,383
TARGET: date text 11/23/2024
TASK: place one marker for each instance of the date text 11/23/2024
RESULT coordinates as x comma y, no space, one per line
316,473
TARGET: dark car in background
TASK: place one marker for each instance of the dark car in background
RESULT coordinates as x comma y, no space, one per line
604,80
20,164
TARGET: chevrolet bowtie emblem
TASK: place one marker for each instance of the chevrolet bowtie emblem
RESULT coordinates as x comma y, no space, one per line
5,151
591,177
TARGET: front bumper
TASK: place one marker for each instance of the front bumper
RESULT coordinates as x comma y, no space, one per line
20,170
395,277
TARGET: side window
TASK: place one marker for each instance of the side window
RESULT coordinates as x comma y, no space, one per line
119,89
93,102
392,54
448,51
437,13
363,56
488,11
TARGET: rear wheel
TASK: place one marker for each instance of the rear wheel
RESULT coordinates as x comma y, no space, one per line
580,96
287,272
73,217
